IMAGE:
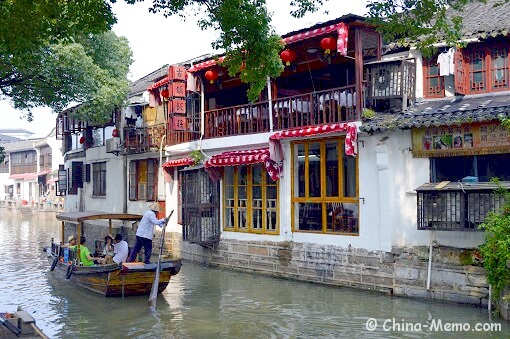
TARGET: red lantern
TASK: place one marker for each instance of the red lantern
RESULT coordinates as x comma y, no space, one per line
165,93
211,75
115,133
288,56
328,44
82,140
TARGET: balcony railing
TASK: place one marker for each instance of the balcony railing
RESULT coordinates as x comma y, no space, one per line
329,106
143,139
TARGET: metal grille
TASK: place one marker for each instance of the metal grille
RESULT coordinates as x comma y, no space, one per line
455,210
200,208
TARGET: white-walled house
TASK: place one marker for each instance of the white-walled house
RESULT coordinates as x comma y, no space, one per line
306,182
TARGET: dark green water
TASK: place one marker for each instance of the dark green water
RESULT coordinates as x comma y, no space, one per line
206,303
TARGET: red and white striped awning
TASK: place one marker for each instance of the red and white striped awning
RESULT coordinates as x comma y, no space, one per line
159,83
178,162
312,33
245,157
350,129
24,176
205,64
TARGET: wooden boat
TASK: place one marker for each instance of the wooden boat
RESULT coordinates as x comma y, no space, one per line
122,279
19,324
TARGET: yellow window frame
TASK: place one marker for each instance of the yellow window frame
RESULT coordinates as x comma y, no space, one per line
249,203
323,199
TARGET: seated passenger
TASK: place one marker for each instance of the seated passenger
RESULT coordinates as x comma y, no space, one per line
71,241
121,249
85,258
108,246
120,252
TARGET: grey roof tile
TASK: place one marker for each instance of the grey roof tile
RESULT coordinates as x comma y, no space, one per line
446,112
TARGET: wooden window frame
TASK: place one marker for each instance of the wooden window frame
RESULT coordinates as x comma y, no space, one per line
99,179
464,73
323,199
151,180
427,63
249,202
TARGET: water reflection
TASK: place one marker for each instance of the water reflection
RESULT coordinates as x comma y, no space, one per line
202,302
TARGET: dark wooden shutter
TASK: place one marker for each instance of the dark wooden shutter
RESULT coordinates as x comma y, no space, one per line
460,72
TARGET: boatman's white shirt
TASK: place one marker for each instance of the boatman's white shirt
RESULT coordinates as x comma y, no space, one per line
121,251
146,227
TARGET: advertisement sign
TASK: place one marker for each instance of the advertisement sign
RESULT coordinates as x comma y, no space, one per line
467,139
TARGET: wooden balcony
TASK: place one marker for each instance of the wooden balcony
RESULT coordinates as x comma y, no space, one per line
329,106
143,139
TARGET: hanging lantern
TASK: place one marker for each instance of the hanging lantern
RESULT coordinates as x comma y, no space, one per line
328,44
115,133
82,140
211,75
165,93
288,56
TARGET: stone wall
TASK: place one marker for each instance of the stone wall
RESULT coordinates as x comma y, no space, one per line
402,272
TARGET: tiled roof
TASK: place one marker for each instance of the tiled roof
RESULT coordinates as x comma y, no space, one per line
445,112
479,20
18,146
139,86
485,20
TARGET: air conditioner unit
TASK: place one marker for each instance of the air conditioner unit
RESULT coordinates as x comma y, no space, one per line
113,146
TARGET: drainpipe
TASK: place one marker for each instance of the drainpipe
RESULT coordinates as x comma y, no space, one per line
429,269
270,101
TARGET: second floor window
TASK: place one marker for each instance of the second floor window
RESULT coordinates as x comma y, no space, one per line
484,70
99,179
433,83
143,179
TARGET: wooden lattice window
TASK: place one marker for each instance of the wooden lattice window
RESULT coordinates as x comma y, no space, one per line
499,68
143,179
433,83
482,70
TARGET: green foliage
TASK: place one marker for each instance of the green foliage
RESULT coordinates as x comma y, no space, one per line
422,22
496,249
368,114
197,156
55,53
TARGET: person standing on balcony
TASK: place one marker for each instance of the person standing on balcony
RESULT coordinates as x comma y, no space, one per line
145,233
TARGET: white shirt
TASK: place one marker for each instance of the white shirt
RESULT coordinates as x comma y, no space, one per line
146,227
121,251
446,62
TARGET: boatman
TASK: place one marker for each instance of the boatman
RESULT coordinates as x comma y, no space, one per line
145,233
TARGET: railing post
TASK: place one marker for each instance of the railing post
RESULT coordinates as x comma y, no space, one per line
269,95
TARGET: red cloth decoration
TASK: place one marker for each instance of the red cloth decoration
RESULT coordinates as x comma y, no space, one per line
159,83
343,37
351,137
178,162
246,157
310,34
205,64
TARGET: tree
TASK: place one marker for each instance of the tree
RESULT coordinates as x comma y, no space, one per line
421,22
36,35
54,53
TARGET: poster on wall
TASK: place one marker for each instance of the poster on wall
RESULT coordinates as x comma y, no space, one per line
466,139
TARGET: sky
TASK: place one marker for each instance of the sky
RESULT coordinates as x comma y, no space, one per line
156,41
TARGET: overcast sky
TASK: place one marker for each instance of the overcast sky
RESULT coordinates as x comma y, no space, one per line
156,41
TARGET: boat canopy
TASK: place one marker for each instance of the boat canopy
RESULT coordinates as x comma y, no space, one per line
78,217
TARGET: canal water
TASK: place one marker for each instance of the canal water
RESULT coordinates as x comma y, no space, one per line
203,302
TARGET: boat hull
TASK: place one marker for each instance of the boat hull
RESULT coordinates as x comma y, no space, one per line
114,280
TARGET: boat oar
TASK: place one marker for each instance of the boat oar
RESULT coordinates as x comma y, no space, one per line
11,327
155,285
